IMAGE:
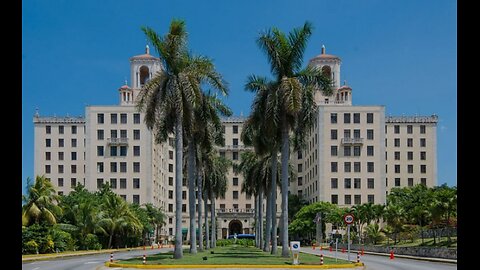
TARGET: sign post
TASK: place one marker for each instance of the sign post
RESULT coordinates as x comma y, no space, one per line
295,247
348,218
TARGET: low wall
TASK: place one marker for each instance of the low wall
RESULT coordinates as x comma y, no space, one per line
441,252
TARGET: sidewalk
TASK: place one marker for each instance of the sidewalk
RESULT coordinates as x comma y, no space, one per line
27,258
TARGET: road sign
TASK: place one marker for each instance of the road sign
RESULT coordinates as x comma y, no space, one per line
348,218
295,247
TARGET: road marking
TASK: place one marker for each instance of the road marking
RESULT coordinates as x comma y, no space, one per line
91,262
36,268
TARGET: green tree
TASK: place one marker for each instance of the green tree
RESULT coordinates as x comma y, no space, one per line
157,219
40,202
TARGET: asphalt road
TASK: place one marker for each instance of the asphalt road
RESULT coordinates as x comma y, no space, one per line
87,262
376,262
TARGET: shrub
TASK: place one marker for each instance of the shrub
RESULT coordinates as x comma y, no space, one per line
63,240
30,247
91,242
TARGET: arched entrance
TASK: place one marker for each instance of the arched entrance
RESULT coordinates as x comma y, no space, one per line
235,227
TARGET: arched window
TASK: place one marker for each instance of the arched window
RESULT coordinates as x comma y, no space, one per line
144,75
327,71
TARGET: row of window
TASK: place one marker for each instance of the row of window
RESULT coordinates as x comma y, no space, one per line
396,142
347,118
347,151
423,168
356,166
396,155
347,133
234,154
61,156
357,183
122,183
357,199
48,168
61,143
410,182
396,129
61,129
114,118
114,134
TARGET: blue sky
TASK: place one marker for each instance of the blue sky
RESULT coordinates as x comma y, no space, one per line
401,54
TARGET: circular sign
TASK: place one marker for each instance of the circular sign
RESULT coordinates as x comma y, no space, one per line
348,218
295,246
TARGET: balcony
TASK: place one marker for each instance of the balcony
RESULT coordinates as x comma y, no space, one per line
352,141
117,141
234,147
235,210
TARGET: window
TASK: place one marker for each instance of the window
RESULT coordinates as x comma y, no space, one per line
170,154
113,118
73,182
123,151
397,168
73,168
369,118
235,181
423,155
100,118
300,167
136,118
409,142
123,133
136,167
235,129
423,142
235,206
410,168
347,183
124,197
410,155
136,183
99,167
347,166
409,129
170,181
235,142
357,183
346,133
48,129
369,134
397,155
423,168
47,169
396,129
113,183
370,183
348,199
423,181
356,133
356,167
346,118
123,183
170,194
74,155
422,129
222,154
184,208
99,183
386,142
356,151
136,134
333,150
74,142
48,143
170,167
60,168
113,133
113,167
410,182
48,155
61,143
370,167
358,199
100,134
113,151
356,118
333,134
397,142
184,182
61,129
100,151
299,154
248,206
222,206
334,183
170,221
248,196
333,167
235,155
397,182
123,118
170,209
235,194
334,199
136,151
60,182
347,151
370,150
371,198
333,118
136,199
123,167
74,129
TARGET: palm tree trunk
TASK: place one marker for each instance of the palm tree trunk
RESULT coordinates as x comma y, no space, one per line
273,191
257,235
207,229
178,252
110,238
191,196
284,175
268,217
260,218
200,205
214,224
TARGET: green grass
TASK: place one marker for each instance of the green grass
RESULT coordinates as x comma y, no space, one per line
232,255
428,242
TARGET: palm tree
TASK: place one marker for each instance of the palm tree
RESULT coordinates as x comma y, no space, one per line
156,217
293,98
40,202
170,96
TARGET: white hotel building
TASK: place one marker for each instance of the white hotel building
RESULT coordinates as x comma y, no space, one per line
354,154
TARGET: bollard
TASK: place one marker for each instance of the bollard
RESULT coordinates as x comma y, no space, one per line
313,246
358,257
330,249
343,250
111,257
144,247
391,255
152,246
144,259
362,252
321,259
321,248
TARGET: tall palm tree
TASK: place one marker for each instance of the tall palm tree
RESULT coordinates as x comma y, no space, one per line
292,107
40,202
156,217
169,97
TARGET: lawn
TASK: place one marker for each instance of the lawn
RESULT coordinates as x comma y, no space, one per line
233,255
428,242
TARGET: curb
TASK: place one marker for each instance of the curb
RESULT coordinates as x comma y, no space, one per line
255,266
57,256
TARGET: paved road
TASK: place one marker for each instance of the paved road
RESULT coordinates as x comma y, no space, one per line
87,262
375,262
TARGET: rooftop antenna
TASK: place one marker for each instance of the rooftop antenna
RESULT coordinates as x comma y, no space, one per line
36,112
